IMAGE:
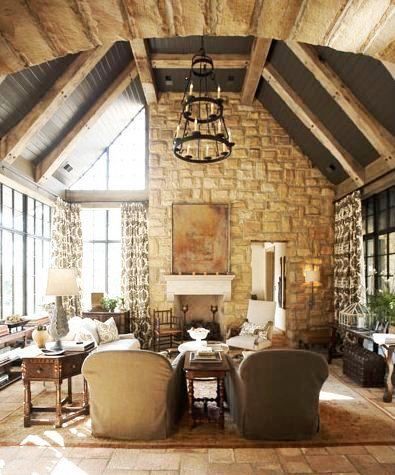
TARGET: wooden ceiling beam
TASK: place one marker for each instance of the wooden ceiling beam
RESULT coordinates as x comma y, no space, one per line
53,160
144,69
371,128
183,61
259,53
312,122
15,140
373,172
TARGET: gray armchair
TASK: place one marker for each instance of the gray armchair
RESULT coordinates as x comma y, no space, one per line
274,395
134,394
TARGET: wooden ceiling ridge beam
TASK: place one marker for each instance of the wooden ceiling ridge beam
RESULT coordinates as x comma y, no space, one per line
259,53
144,68
16,139
312,122
380,138
49,164
183,61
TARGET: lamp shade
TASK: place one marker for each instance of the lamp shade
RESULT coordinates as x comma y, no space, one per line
312,276
62,282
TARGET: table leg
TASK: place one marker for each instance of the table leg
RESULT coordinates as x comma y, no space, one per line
69,391
85,396
27,404
58,410
221,397
191,402
390,369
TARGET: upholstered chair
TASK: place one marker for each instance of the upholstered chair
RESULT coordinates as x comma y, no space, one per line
260,316
134,394
274,394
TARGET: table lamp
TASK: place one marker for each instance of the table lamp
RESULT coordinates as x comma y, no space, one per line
312,276
61,283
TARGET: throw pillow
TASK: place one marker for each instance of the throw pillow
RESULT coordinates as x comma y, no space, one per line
88,326
107,330
264,332
248,328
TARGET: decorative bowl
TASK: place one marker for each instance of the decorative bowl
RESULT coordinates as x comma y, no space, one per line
198,333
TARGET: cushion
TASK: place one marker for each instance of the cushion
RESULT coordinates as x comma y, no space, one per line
88,327
129,344
248,342
107,330
74,326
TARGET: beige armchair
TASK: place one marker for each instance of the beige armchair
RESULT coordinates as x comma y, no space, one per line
274,394
261,313
134,394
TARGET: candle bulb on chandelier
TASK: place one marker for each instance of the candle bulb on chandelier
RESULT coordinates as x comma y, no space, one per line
196,125
191,89
188,149
229,136
219,127
224,148
212,109
219,92
178,130
207,151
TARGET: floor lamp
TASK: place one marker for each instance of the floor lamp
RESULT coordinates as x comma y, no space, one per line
61,283
312,276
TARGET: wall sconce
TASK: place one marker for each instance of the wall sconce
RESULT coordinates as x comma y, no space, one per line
312,276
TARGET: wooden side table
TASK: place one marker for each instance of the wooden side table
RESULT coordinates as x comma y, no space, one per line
122,319
56,369
194,371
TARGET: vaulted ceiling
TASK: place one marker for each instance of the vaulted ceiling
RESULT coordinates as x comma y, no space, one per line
337,106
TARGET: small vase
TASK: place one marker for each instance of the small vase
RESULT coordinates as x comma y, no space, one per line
40,337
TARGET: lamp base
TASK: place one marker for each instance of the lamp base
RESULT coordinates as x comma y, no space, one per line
57,346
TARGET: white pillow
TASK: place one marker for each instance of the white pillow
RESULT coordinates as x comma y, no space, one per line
107,331
74,326
88,326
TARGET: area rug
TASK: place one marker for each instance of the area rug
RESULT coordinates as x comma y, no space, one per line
347,418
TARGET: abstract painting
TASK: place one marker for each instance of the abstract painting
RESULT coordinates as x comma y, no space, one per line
200,238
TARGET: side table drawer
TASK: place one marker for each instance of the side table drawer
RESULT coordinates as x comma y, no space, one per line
71,367
39,369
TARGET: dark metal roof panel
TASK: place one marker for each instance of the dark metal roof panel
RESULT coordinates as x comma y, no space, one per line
321,104
21,91
369,81
75,106
93,143
173,80
192,44
310,146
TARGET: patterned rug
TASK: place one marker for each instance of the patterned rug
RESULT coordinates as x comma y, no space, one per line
347,418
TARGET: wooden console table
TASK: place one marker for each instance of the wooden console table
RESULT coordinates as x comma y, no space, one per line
56,369
122,319
194,371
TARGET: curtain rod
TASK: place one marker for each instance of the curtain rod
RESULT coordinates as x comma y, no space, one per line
361,188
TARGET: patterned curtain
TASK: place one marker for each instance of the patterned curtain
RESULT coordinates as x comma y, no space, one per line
348,252
66,247
134,276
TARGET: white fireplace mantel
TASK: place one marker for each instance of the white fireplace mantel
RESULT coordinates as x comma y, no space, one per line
199,285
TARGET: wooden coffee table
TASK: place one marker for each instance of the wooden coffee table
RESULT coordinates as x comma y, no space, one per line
205,371
56,369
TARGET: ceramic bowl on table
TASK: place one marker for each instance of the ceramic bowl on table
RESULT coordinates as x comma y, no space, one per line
198,334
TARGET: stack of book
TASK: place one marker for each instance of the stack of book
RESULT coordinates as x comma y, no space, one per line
206,355
4,378
78,345
4,358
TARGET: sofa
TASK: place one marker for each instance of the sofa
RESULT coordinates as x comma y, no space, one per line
85,329
134,394
274,394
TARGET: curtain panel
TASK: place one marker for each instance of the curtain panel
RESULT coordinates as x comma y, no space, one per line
66,247
348,257
134,274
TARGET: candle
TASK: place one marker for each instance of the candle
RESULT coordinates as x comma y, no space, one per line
191,89
212,109
188,149
229,136
219,92
187,108
178,130
224,147
219,127
207,151
196,125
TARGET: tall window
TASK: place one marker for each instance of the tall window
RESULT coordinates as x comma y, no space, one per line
379,239
122,165
25,238
101,265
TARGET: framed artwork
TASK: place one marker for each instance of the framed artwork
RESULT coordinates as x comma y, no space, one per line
200,238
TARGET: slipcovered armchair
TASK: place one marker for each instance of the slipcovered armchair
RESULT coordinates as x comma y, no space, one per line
274,395
134,394
260,315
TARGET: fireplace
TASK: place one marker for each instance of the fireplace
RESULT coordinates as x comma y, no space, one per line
201,294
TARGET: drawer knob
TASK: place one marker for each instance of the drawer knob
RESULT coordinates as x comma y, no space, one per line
39,370
74,366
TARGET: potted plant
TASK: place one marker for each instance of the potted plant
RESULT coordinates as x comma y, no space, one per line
109,304
382,306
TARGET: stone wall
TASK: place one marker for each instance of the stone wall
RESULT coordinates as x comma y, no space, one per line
275,195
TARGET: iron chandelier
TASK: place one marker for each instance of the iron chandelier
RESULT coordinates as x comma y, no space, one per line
202,135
